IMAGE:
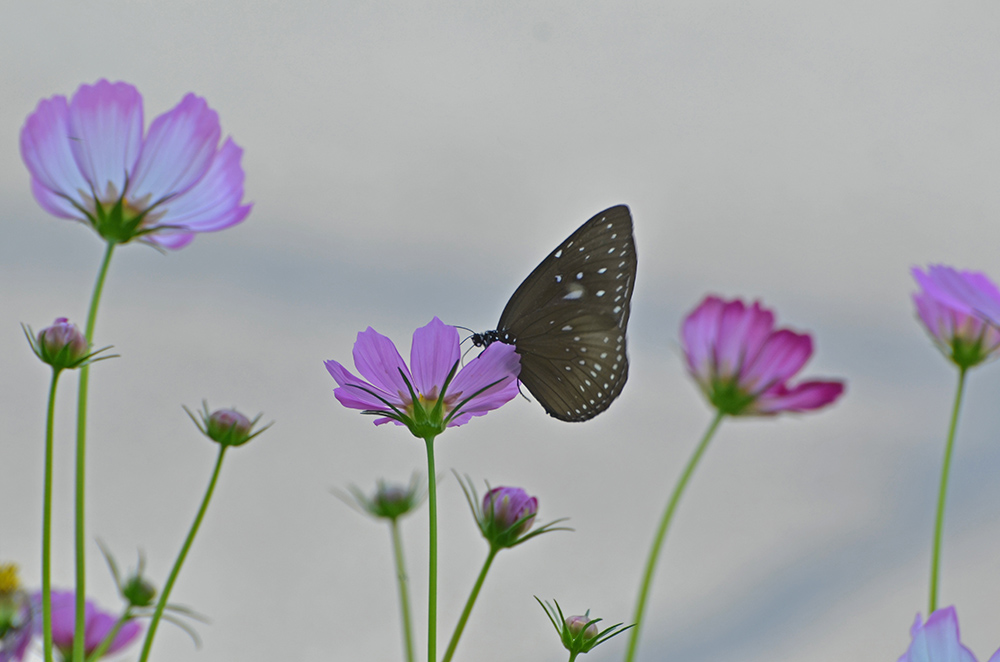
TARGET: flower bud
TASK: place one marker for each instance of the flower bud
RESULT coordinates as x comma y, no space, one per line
577,624
579,634
510,507
61,345
138,591
226,426
508,513
390,500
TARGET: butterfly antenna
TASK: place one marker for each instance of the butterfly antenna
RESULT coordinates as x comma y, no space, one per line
465,328
466,352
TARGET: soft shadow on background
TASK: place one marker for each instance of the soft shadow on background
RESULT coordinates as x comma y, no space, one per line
412,162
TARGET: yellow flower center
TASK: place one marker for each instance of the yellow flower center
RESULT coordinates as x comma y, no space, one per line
9,582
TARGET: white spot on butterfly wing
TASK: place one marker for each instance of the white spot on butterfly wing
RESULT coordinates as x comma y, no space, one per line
574,291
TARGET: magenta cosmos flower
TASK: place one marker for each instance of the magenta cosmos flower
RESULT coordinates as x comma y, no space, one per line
952,305
436,394
90,161
97,625
743,364
937,640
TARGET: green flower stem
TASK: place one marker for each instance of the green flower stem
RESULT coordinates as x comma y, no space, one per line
432,554
99,652
81,462
572,655
453,644
404,595
165,595
661,533
47,524
943,490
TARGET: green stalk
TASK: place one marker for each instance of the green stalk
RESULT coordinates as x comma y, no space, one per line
453,644
162,602
47,524
404,596
943,490
661,533
81,461
432,554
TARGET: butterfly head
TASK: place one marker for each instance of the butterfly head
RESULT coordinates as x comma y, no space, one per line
487,338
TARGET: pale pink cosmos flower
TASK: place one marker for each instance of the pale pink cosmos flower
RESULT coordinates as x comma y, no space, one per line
938,640
436,393
955,306
90,161
743,364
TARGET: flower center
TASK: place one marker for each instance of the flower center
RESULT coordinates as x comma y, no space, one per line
8,578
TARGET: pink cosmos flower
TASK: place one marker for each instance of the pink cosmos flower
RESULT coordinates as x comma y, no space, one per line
436,394
90,161
937,640
97,625
954,306
743,364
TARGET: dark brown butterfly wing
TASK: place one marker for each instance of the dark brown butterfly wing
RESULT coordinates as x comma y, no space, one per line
569,317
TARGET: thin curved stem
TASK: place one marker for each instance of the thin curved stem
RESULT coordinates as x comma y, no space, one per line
432,554
81,463
404,595
47,523
460,627
943,490
661,533
165,595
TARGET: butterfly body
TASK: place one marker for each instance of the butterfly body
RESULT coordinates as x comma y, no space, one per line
569,317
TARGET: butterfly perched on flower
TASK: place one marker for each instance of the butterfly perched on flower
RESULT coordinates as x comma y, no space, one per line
568,319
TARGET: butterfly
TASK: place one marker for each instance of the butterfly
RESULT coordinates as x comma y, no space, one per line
569,317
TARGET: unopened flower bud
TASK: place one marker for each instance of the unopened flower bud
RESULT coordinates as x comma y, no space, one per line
508,513
226,426
579,634
62,345
138,591
578,624
390,501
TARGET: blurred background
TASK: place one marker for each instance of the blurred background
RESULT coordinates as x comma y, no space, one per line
412,160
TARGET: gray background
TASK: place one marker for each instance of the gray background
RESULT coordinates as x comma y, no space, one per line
415,161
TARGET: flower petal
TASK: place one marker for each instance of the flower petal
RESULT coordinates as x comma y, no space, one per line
803,397
970,292
497,363
699,332
46,151
357,393
177,152
105,122
433,354
783,355
214,202
742,333
937,640
379,362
